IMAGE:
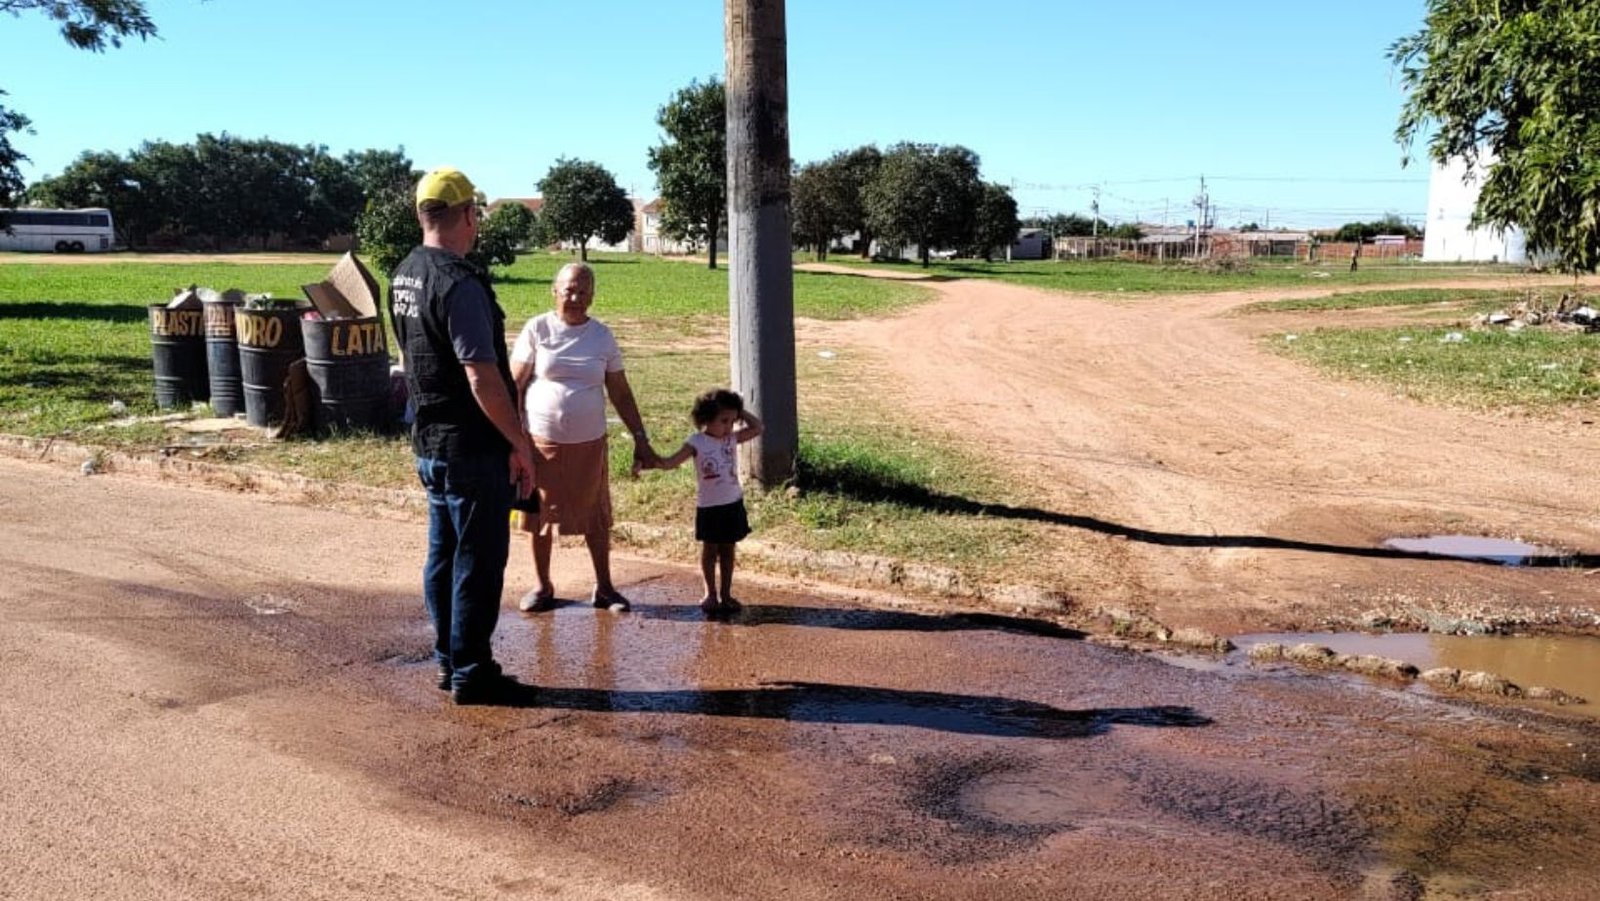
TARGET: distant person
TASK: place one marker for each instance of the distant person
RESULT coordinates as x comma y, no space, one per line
720,519
471,453
1355,256
565,365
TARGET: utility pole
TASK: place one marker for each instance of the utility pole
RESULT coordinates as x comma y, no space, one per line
760,255
1094,221
1201,201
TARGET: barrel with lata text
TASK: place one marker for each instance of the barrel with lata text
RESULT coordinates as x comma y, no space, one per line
222,358
269,341
178,350
348,362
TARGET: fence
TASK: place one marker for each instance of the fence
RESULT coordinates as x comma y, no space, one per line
1221,244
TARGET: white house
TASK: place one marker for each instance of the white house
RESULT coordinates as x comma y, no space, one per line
1450,238
1031,244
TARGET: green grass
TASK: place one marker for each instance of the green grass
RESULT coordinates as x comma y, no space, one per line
74,338
1531,369
1116,276
628,285
139,284
1401,297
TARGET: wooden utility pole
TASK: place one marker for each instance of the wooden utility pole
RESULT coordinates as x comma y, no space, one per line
760,253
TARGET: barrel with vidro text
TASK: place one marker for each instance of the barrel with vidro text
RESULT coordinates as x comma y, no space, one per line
178,352
348,364
222,358
269,341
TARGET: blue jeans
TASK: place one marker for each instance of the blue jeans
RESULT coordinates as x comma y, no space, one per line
469,538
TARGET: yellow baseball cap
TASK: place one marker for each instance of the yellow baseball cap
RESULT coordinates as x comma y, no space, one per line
446,185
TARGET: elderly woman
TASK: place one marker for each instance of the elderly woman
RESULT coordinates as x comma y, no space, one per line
566,364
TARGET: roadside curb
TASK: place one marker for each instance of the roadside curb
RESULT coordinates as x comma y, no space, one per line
841,567
222,475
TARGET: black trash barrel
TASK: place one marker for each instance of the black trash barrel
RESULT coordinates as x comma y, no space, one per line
348,362
269,340
178,350
222,358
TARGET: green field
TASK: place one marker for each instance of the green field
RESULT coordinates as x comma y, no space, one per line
628,285
1454,298
1527,370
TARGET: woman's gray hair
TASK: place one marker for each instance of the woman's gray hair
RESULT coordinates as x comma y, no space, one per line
576,266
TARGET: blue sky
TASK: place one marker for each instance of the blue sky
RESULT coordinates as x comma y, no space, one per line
1288,112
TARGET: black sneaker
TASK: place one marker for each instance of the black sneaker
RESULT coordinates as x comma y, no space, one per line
444,678
491,691
613,601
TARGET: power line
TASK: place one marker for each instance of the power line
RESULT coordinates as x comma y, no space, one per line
1264,179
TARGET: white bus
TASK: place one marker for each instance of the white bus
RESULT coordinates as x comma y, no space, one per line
61,231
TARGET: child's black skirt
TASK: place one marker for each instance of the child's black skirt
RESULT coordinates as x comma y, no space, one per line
724,524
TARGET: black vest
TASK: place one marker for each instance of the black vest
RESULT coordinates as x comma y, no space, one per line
449,423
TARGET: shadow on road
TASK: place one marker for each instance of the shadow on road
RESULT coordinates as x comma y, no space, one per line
871,487
815,702
862,620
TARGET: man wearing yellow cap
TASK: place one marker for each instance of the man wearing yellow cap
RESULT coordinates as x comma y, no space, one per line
473,455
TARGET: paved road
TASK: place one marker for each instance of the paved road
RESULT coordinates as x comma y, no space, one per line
213,695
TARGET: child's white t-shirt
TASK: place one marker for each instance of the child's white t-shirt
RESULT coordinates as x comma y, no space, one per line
716,463
566,401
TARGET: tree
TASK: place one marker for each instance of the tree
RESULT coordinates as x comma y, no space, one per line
1066,225
11,183
333,196
1509,86
691,164
388,228
1390,224
926,195
503,231
376,171
1127,231
995,224
167,176
813,206
856,168
581,201
91,24
95,179
86,25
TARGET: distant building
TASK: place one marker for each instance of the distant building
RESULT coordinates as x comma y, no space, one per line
1031,244
1450,237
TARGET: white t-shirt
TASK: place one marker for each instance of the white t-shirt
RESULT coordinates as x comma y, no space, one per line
716,463
566,401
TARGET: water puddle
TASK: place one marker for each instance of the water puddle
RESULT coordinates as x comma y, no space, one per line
1486,550
1050,800
1568,662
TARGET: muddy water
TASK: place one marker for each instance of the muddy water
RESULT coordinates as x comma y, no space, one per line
1570,663
1504,551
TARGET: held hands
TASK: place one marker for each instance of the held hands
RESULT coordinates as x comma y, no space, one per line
644,456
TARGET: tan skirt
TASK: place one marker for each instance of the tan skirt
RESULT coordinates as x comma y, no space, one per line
574,485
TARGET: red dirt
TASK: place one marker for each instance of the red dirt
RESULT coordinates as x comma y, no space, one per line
1211,482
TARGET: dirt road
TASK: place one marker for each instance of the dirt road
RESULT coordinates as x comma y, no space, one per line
211,695
1193,473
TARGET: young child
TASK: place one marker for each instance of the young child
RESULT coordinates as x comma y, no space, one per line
720,521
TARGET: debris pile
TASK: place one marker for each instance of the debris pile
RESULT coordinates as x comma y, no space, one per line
1570,313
